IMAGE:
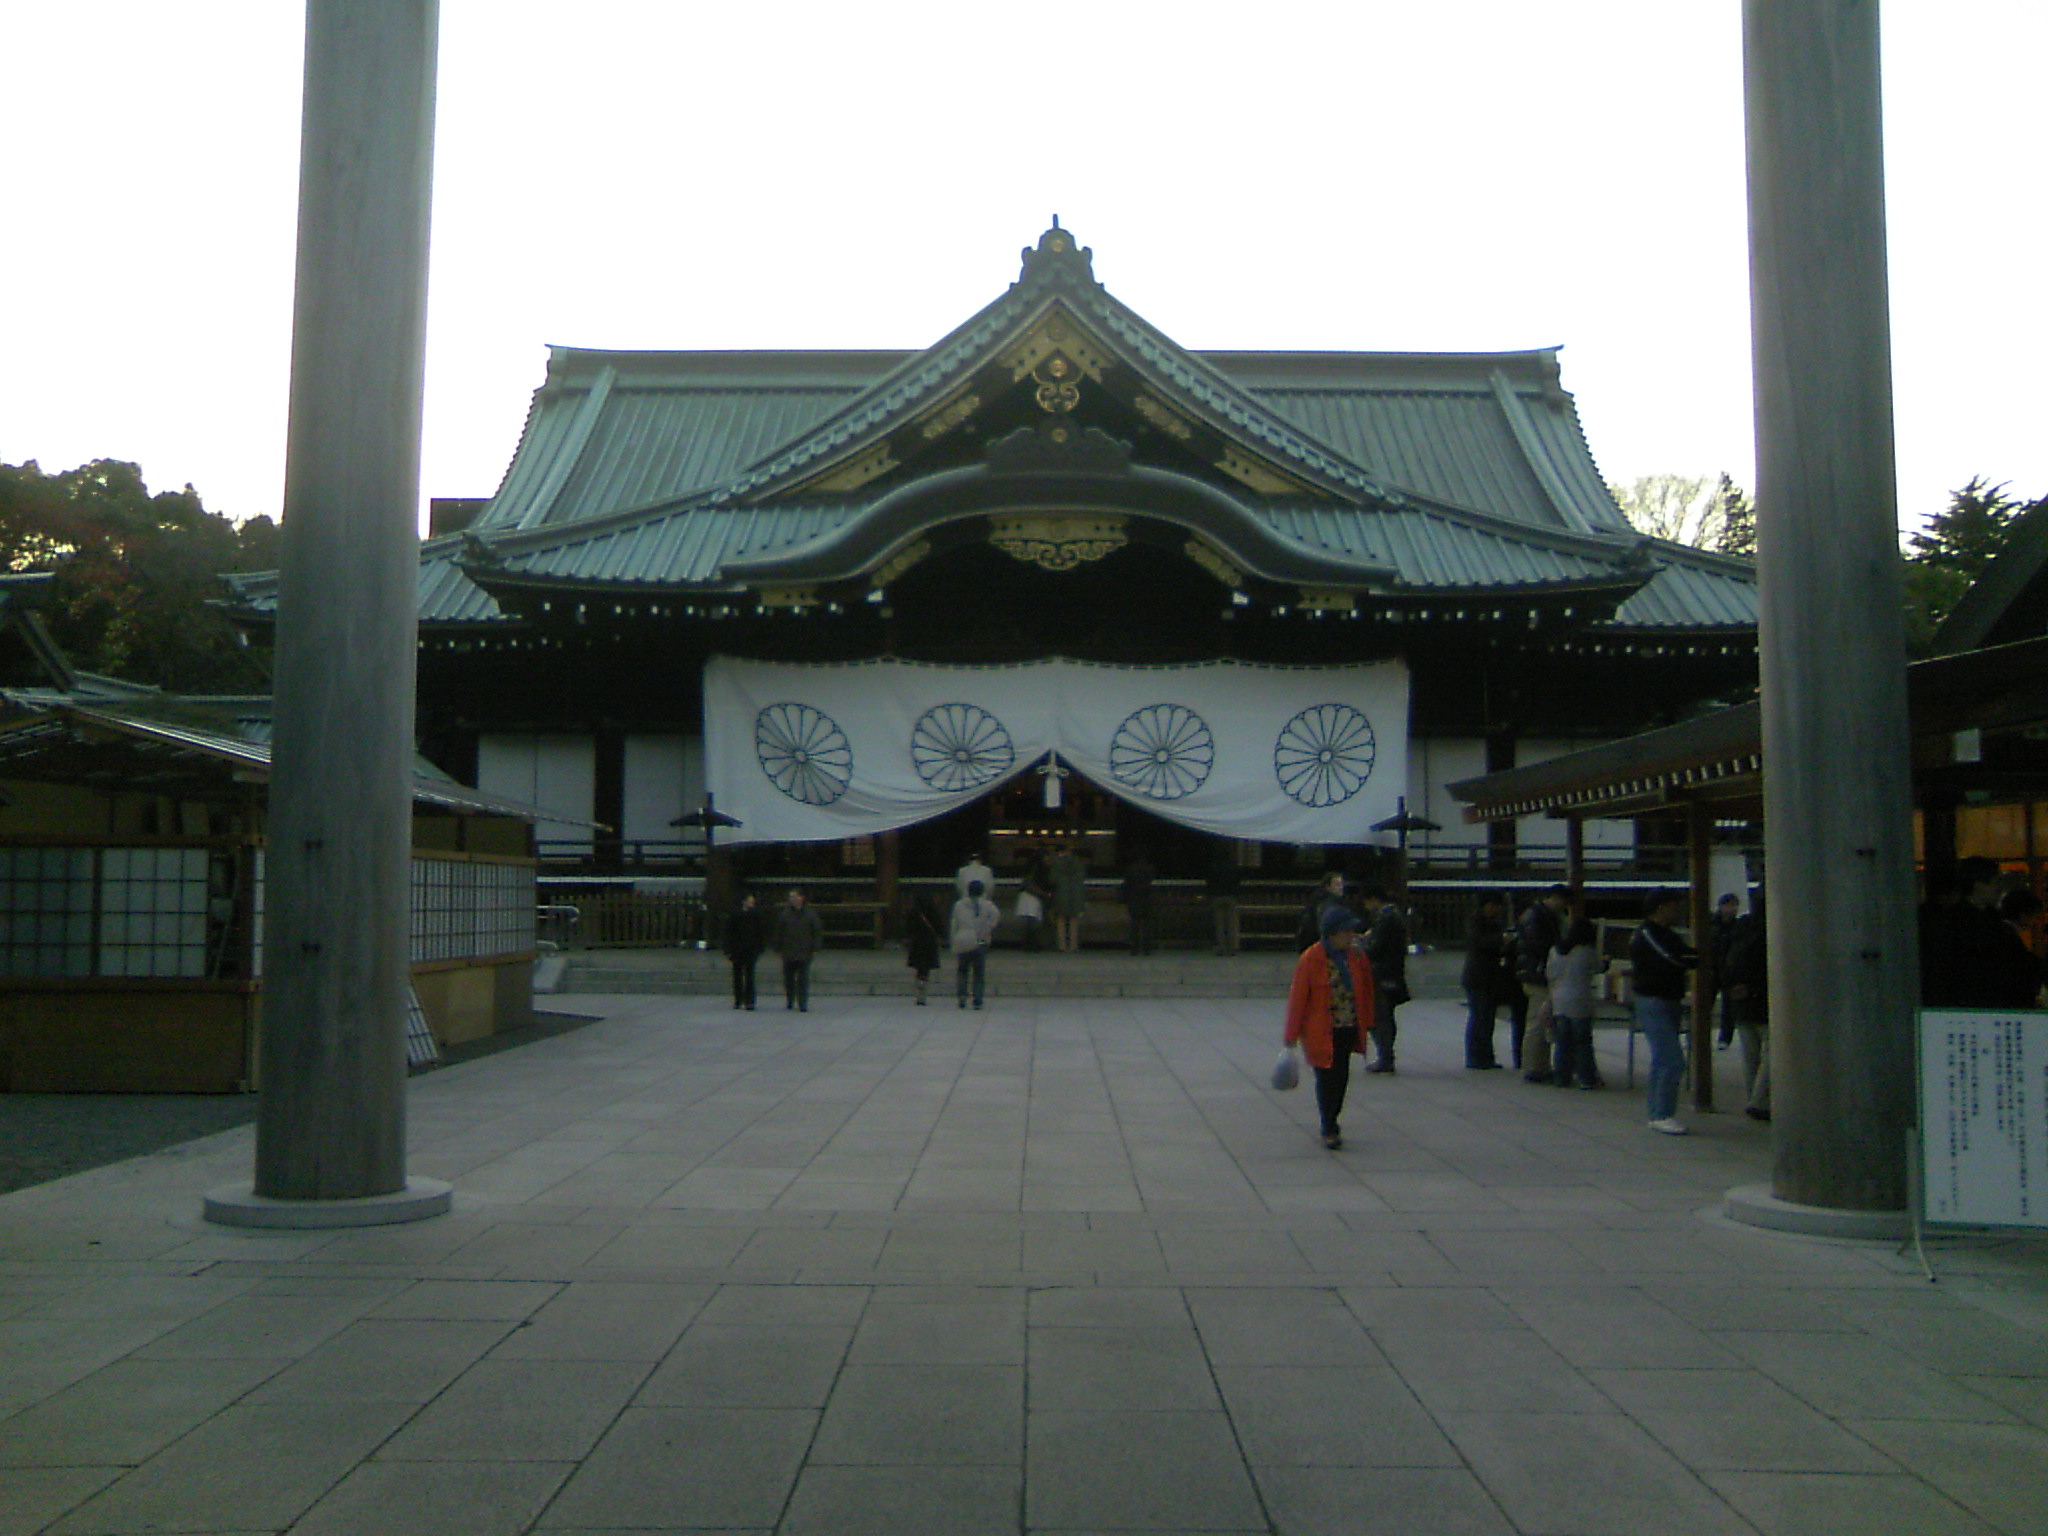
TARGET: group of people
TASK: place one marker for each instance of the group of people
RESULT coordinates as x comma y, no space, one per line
1973,947
793,930
1544,967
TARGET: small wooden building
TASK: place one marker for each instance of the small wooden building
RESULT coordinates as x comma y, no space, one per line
132,888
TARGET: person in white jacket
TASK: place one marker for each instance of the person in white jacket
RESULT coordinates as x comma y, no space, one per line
1570,971
972,929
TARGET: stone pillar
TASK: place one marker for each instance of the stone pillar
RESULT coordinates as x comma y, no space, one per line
331,1127
1837,793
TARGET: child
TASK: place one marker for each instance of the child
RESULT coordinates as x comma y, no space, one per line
1571,969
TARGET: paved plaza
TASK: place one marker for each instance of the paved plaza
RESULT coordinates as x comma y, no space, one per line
1066,1265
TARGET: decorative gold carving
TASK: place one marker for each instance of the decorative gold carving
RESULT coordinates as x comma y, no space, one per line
1056,334
1258,475
949,416
1056,541
855,473
1058,392
900,562
788,597
1207,558
1327,600
1167,420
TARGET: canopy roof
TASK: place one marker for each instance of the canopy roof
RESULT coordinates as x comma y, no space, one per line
735,476
1997,696
193,749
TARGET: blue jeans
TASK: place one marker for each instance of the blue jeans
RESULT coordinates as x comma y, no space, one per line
1658,1019
1572,1050
974,963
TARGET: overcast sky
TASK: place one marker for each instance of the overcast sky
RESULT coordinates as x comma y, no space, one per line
1355,175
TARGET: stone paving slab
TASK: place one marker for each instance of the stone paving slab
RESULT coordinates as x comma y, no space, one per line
1065,1266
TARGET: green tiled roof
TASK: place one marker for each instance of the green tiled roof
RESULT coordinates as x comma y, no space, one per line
669,470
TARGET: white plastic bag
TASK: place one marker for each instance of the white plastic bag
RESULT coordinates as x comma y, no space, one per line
1287,1069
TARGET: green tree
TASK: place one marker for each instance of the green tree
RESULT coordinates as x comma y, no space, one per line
1953,550
1704,511
135,584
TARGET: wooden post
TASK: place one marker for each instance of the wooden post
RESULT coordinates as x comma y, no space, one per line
1575,862
1699,826
888,870
1837,796
337,963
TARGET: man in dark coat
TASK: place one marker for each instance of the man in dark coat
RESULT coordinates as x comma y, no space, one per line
1137,894
798,934
1481,979
746,934
1386,946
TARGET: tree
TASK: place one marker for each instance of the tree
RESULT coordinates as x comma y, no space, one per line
1704,511
1953,550
135,582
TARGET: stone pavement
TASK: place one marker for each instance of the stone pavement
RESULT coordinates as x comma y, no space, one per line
1066,1265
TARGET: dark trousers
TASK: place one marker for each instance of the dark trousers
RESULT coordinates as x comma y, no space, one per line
1141,927
1572,1061
1385,1028
743,980
1331,1081
796,983
1481,1009
971,969
1518,1019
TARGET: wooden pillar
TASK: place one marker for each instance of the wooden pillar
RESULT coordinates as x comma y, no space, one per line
1699,910
1837,796
888,871
331,1125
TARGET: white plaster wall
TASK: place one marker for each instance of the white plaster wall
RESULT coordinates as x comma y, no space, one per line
1549,831
1433,764
555,771
657,787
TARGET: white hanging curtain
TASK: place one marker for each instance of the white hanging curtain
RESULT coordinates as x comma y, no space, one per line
807,753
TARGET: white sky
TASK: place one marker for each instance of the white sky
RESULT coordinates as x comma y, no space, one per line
1334,174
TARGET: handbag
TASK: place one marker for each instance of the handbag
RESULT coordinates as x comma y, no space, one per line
1287,1069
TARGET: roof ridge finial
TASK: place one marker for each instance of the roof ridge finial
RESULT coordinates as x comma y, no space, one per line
1056,247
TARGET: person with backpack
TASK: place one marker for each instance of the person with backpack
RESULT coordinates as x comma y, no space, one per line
971,931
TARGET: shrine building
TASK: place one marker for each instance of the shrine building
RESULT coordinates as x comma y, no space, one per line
1055,576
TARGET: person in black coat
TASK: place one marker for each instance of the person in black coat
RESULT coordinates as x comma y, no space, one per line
922,930
1485,946
1386,946
746,934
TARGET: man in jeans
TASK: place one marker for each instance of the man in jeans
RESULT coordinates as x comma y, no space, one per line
1660,959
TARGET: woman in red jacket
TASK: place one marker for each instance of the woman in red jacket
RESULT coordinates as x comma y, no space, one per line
1330,1011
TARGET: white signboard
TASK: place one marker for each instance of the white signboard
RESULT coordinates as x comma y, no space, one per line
1984,1117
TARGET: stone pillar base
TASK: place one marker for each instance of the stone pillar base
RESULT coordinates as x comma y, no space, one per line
1754,1205
238,1205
